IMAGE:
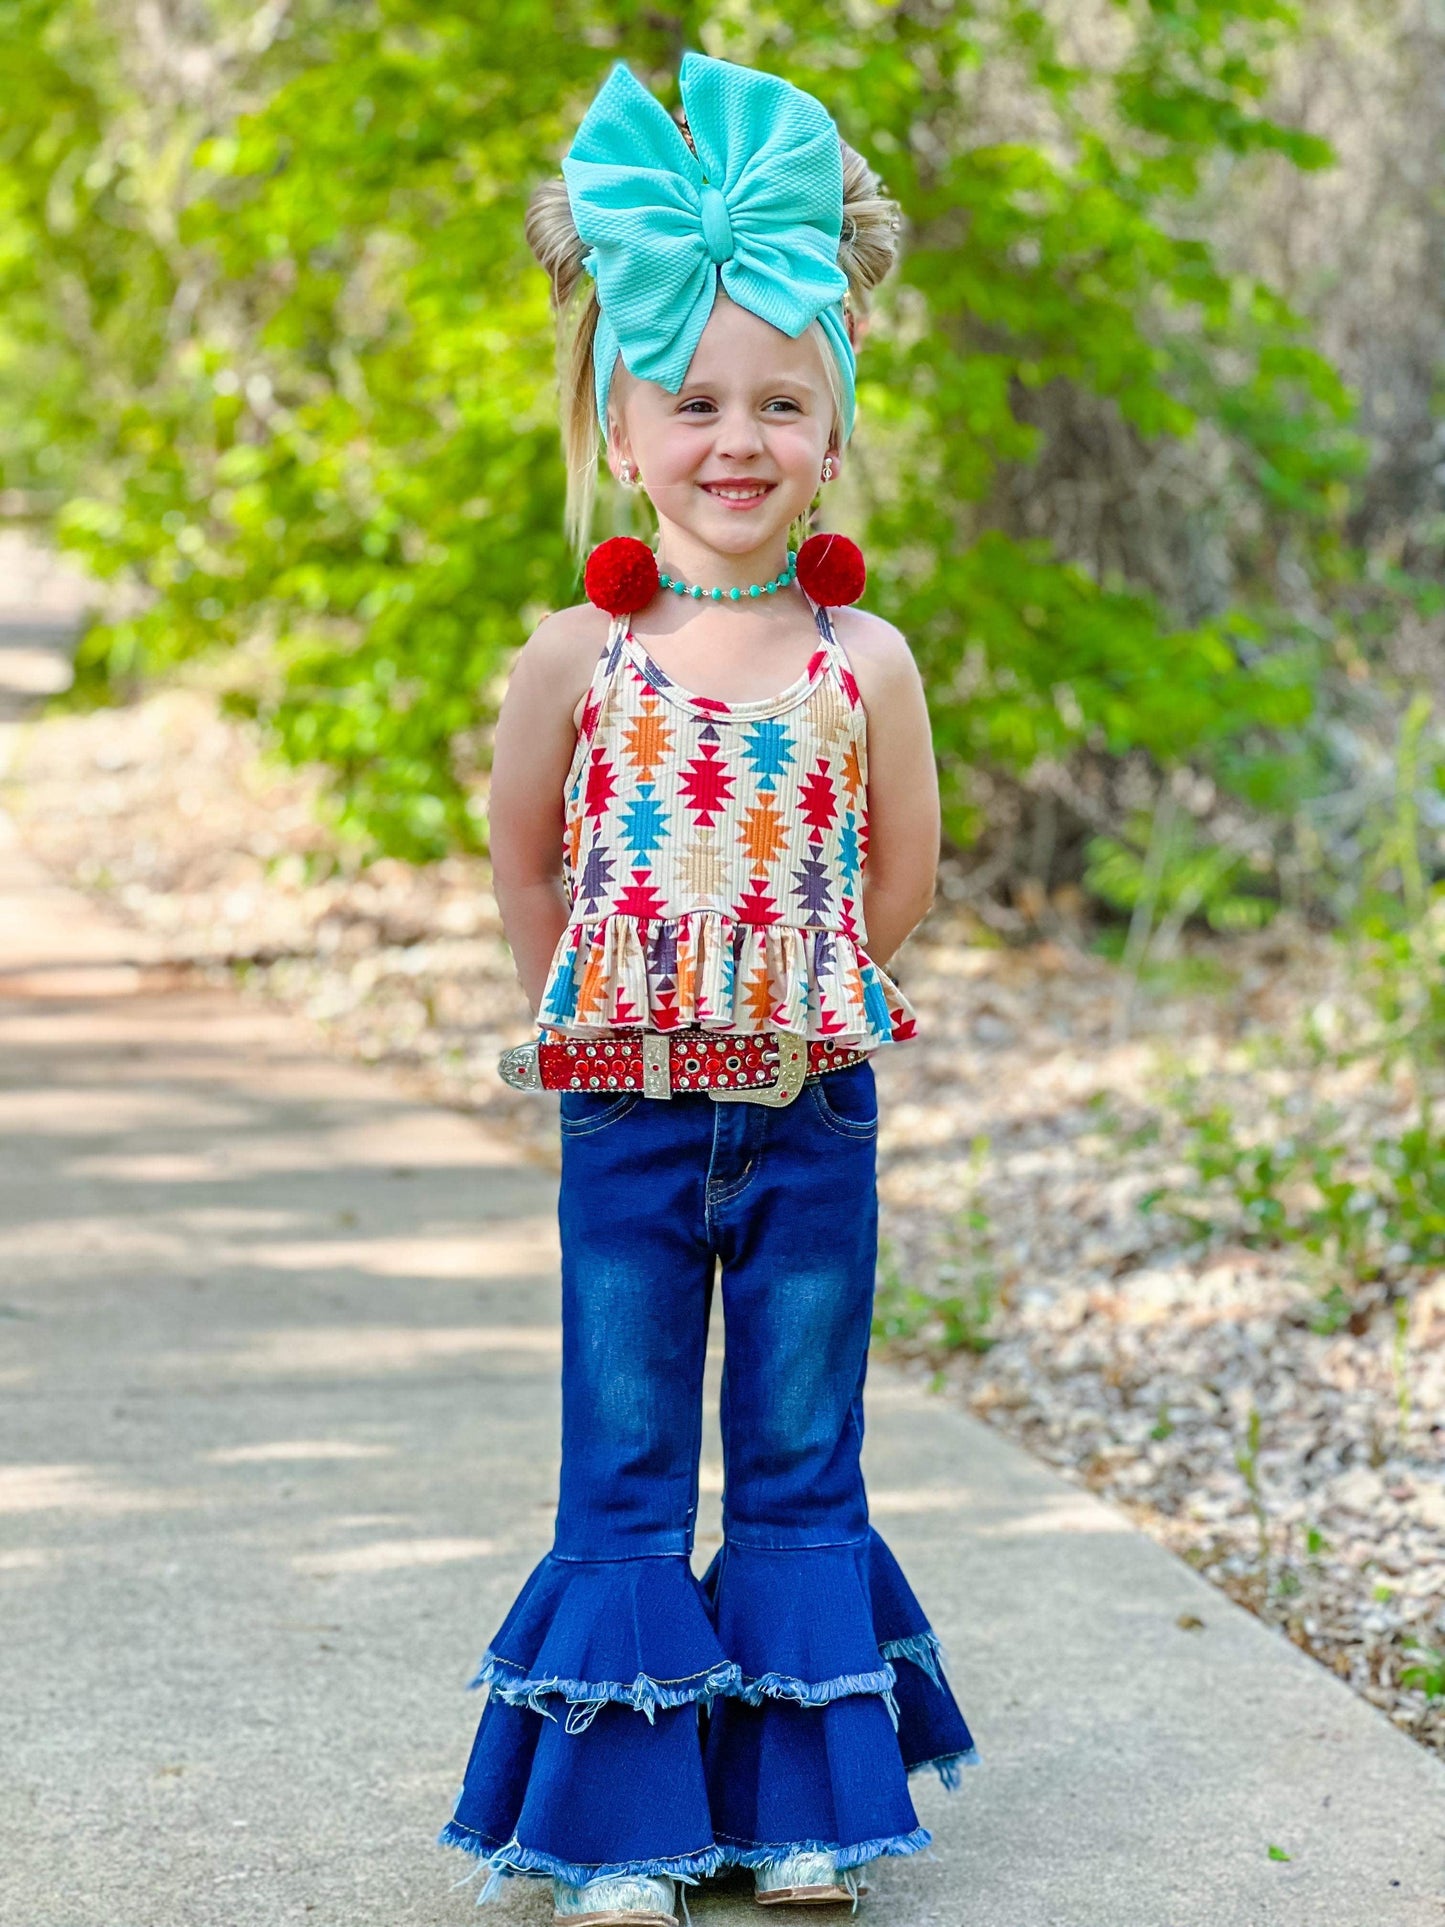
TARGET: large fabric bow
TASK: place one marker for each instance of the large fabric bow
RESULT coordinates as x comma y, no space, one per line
760,206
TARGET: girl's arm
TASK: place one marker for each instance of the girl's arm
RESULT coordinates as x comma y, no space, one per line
903,812
532,749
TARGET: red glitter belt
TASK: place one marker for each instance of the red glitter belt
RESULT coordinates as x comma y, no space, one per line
758,1067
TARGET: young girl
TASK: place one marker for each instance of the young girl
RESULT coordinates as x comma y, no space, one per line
742,791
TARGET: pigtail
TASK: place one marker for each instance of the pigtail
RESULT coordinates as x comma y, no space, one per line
553,238
872,223
867,249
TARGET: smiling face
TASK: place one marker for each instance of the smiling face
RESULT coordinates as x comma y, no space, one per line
737,453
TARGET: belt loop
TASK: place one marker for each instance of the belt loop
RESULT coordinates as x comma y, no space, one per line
656,1064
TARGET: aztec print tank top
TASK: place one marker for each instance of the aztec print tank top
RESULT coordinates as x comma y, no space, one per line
714,854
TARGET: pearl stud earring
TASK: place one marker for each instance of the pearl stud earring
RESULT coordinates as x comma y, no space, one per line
828,469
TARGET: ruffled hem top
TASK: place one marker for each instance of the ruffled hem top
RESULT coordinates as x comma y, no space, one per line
714,856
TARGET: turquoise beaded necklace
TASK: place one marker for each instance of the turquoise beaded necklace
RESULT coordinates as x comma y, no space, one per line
698,593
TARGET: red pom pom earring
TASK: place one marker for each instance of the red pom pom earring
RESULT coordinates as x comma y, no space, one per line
832,570
621,575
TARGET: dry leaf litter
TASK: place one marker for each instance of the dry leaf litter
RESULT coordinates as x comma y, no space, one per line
1022,1135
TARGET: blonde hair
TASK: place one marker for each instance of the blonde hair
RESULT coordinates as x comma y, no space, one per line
867,249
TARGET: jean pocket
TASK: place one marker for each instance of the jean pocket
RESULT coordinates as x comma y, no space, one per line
847,1101
583,1112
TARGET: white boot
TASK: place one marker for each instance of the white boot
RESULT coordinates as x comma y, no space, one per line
618,1900
807,1879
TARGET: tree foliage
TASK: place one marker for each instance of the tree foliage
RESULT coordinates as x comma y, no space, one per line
271,340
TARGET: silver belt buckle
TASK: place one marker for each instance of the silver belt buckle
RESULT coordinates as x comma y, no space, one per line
520,1066
792,1069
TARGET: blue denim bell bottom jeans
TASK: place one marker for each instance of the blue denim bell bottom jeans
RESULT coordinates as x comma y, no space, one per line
642,1720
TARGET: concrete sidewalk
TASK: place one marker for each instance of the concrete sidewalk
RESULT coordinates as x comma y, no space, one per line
278,1372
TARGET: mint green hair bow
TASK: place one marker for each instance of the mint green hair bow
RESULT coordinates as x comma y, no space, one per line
760,206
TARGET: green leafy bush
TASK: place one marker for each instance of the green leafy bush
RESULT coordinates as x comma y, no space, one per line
272,344
1373,1207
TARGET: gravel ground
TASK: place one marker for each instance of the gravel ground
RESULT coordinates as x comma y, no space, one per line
1187,1379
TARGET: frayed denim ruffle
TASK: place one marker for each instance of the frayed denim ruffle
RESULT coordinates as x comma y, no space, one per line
799,1624
781,1686
823,1623
924,1649
857,1855
785,1686
948,1767
513,1858
687,1869
637,1632
643,1695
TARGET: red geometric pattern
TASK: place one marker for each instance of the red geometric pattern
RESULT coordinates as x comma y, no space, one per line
640,898
601,783
706,784
756,906
816,799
